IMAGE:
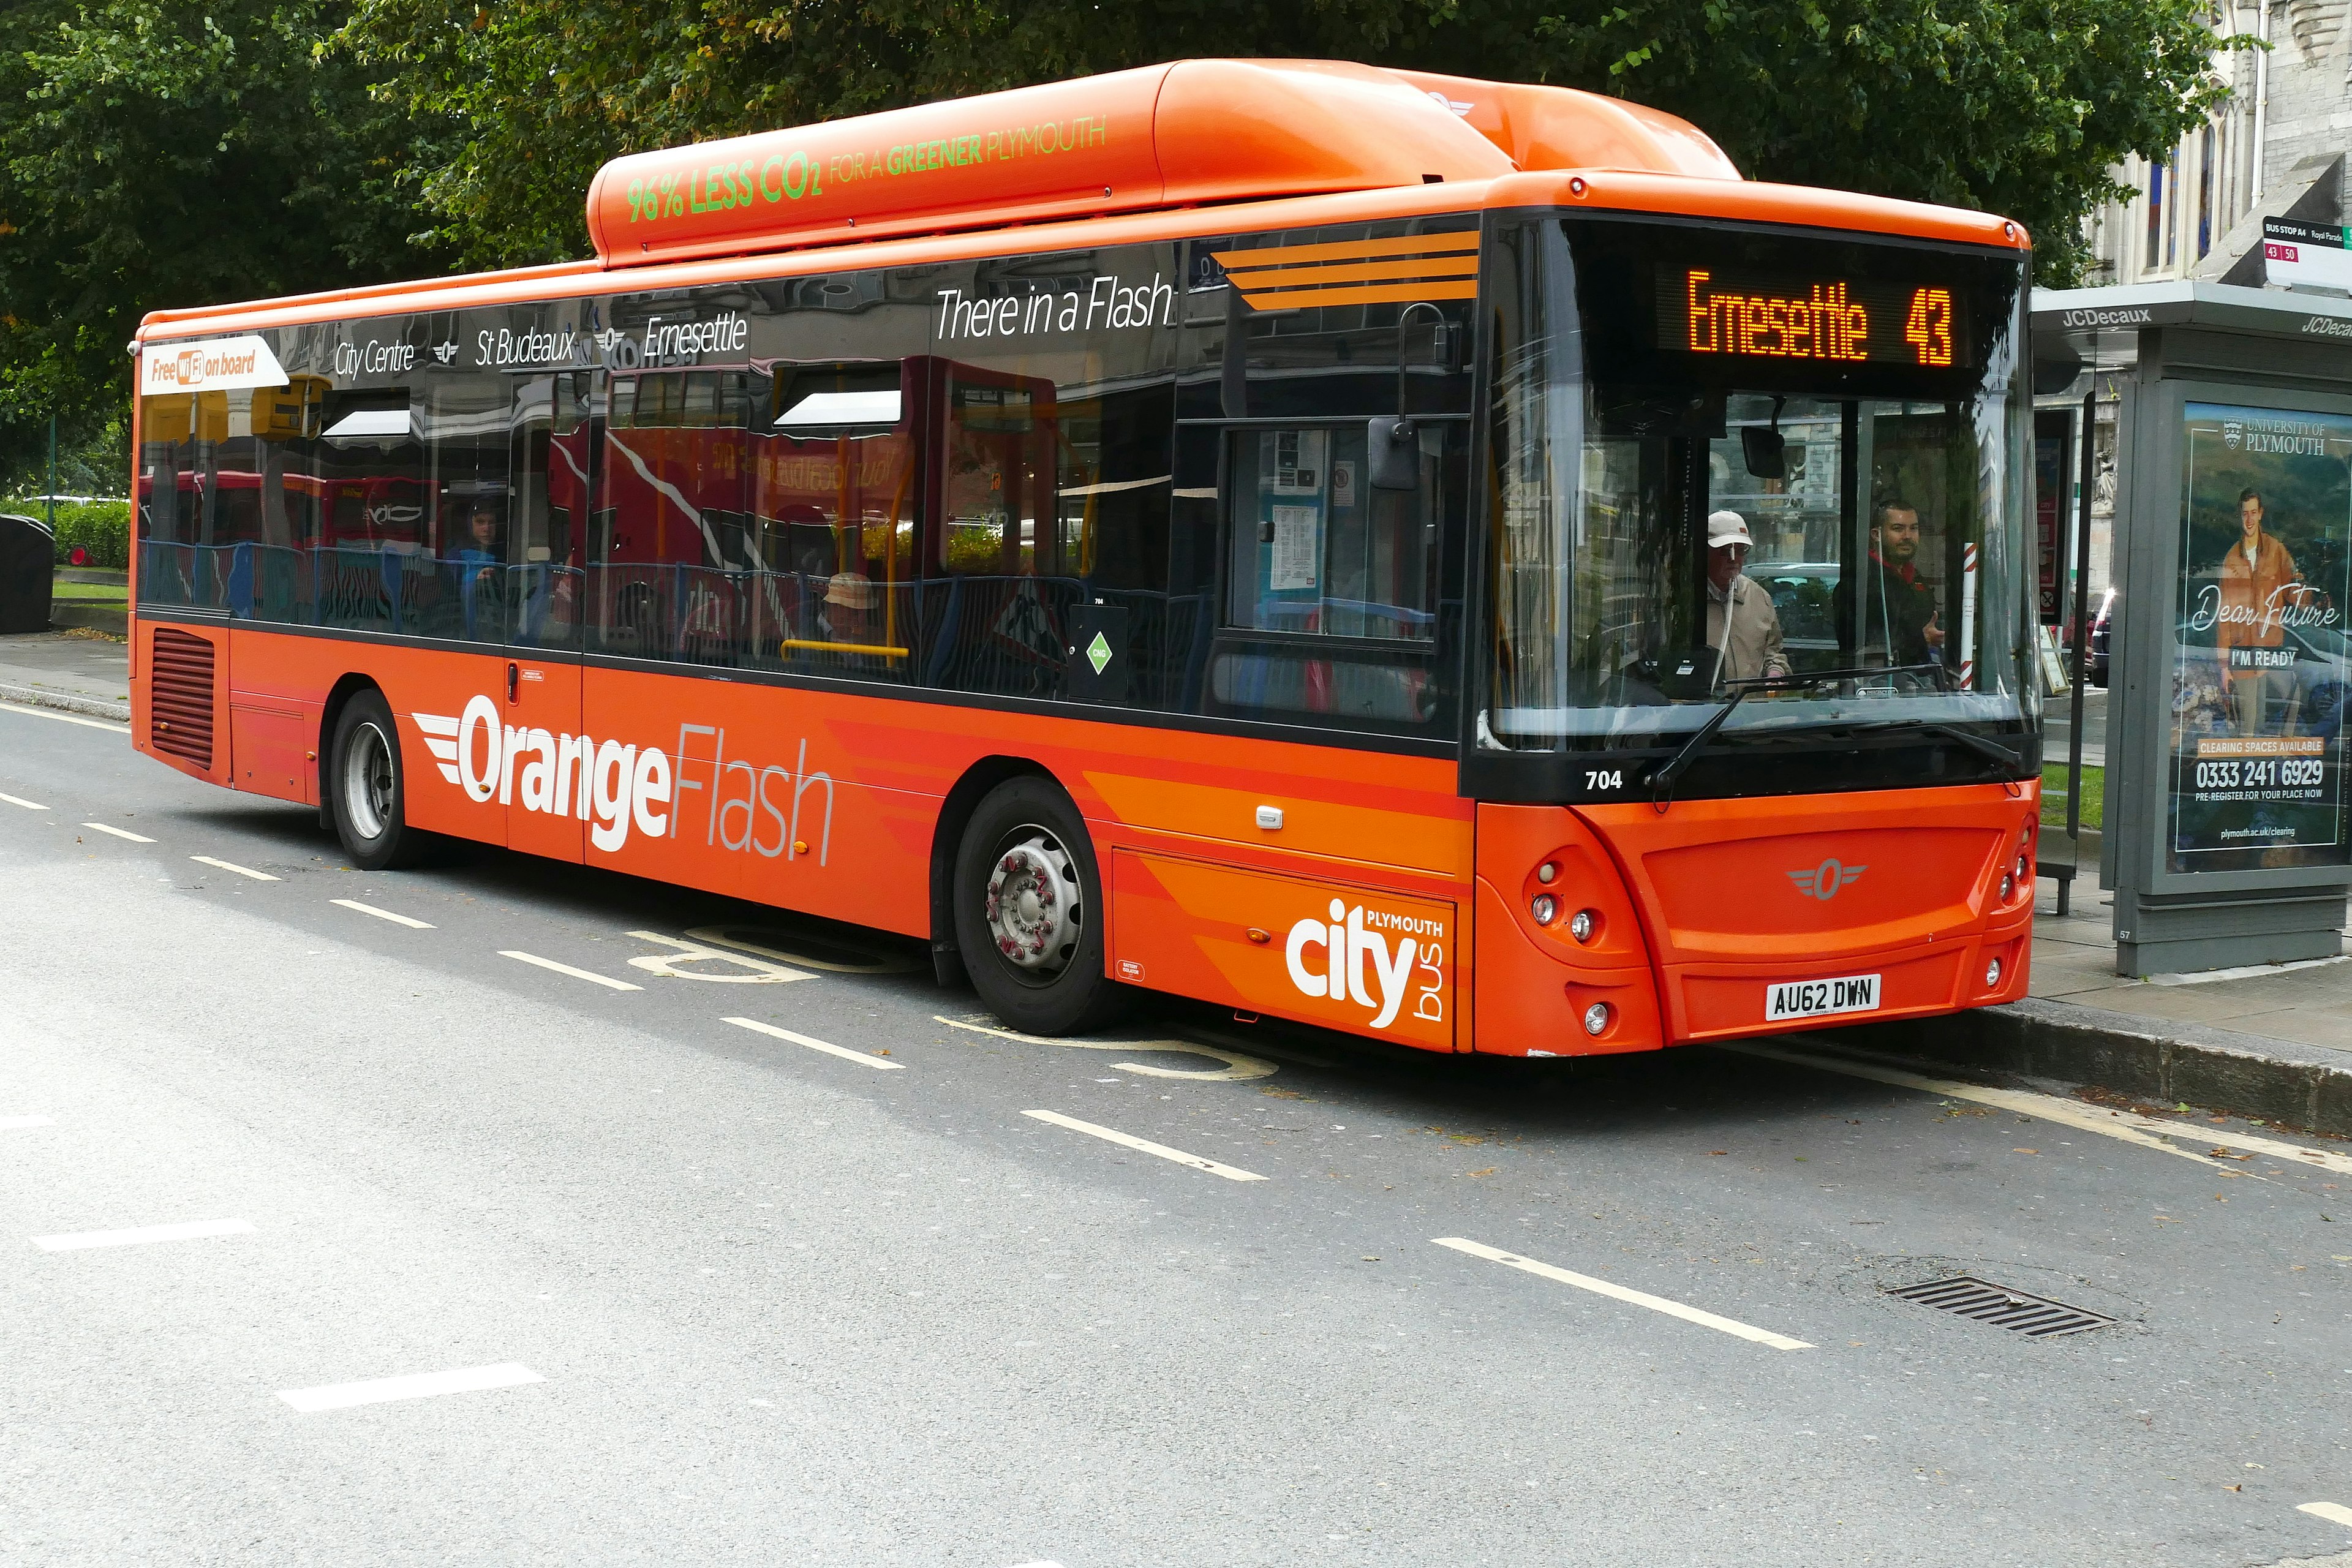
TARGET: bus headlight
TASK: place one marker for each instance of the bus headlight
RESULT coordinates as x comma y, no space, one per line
1596,1017
1993,973
1580,925
1544,907
2008,886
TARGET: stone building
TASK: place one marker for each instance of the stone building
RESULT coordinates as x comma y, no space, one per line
2275,149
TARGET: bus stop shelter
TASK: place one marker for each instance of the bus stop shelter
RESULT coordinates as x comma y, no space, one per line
2226,839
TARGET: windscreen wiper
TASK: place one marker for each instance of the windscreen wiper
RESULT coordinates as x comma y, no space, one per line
1662,783
1992,751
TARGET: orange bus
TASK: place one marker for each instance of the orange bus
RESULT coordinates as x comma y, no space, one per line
1447,561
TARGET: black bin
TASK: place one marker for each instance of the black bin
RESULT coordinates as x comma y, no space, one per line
27,562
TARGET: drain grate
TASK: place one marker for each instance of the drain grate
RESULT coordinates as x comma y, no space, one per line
2002,1307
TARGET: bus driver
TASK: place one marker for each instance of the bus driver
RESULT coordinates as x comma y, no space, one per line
1740,620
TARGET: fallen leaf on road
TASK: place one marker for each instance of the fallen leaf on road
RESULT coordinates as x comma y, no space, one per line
2025,1151
1487,1172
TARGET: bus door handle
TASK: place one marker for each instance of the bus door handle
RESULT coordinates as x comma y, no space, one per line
514,682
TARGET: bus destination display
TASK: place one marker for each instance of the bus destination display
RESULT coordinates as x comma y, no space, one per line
1702,311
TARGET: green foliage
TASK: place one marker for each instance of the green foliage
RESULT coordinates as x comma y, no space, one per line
101,528
176,153
548,89
2012,106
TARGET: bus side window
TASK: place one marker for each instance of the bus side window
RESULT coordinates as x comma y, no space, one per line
834,505
369,464
542,582
1334,535
667,579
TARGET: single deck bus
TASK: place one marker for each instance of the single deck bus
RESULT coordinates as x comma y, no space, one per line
1237,529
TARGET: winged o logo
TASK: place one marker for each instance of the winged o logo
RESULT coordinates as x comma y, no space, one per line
440,732
1825,880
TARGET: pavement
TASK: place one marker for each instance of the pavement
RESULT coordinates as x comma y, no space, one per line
2057,721
74,671
512,1212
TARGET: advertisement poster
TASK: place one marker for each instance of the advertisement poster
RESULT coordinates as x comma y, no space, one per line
2259,685
2052,434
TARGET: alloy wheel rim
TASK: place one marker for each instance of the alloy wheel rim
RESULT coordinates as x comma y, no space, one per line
1032,907
368,781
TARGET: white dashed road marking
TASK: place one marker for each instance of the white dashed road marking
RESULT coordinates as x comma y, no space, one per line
187,1231
11,1124
1142,1145
381,914
844,1052
567,968
416,1385
1623,1293
2334,1513
233,866
120,832
1237,1067
27,805
65,717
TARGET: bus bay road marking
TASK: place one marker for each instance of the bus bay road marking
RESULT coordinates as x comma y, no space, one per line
118,832
1144,1146
2334,1513
740,937
381,914
66,718
415,1385
1237,1068
27,805
844,1052
2148,1131
533,958
188,1231
233,866
1624,1293
749,970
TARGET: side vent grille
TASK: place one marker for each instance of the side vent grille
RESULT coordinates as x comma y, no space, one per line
180,697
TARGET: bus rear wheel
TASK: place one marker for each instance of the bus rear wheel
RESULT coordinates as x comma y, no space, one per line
365,789
1029,912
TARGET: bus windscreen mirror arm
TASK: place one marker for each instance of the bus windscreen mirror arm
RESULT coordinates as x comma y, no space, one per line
1393,450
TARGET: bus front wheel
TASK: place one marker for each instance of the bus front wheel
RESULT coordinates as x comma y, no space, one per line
365,788
1029,911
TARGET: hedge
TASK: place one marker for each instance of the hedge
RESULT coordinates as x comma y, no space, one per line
101,528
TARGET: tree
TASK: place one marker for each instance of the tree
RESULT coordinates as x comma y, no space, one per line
176,153
2017,106
548,89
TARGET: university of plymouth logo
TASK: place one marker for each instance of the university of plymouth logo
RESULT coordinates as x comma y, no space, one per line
1826,880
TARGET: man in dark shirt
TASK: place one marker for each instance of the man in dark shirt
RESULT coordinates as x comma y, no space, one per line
1898,609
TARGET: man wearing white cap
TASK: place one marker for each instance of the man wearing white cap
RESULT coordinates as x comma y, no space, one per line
1740,620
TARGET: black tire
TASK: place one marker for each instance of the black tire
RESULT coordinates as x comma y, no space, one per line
366,790
1035,957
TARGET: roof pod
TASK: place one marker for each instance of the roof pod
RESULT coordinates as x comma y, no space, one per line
1183,134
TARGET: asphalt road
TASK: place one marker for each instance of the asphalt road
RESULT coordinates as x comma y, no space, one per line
723,1296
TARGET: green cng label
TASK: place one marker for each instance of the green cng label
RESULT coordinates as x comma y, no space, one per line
1098,652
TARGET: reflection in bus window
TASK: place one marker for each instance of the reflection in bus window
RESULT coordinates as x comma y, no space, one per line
833,508
670,544
1331,542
